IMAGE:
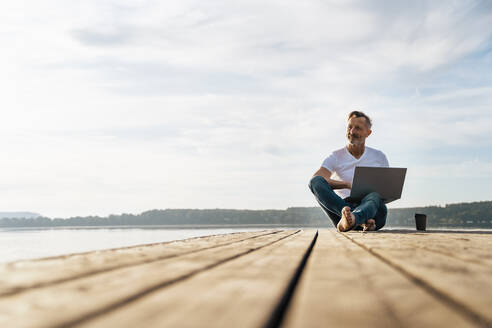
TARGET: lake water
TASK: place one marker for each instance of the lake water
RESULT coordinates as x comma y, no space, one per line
29,243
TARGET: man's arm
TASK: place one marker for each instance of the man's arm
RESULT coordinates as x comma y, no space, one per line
335,184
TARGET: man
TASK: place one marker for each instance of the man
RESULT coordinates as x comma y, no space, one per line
333,194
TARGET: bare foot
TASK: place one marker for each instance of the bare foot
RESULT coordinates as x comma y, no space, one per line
370,225
347,221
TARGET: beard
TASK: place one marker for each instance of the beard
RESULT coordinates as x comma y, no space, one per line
356,141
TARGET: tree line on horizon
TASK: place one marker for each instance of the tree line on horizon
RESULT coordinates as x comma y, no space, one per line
471,215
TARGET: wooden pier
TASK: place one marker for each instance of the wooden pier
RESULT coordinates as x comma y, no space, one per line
274,278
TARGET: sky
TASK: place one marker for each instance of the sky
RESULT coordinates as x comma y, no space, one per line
117,106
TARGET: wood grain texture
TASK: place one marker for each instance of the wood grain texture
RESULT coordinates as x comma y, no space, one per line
21,275
240,293
76,300
463,285
354,279
467,246
346,286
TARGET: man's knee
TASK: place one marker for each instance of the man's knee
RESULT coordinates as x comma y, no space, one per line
315,182
375,197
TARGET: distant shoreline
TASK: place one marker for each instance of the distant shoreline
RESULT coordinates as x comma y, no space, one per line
461,215
218,227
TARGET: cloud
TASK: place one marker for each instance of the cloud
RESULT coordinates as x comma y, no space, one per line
140,104
470,168
103,37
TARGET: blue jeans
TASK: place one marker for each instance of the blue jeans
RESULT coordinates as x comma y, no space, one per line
370,207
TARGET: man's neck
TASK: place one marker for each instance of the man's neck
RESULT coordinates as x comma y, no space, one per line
356,150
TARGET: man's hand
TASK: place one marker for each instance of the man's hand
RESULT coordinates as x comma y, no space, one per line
335,184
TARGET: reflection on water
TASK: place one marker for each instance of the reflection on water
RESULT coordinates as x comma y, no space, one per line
29,243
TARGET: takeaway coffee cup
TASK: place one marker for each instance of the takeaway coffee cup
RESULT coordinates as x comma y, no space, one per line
420,221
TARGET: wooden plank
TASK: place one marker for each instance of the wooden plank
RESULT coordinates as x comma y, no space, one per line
21,275
343,285
465,287
468,246
240,293
71,302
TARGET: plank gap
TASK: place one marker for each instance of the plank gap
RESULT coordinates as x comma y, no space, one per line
151,289
281,308
455,304
17,290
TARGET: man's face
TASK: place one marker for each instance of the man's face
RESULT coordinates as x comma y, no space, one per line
357,130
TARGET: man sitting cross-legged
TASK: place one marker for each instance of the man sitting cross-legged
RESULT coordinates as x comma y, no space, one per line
332,194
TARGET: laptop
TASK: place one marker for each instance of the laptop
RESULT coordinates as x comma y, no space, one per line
387,181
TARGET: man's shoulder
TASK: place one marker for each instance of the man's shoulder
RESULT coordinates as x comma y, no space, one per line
339,152
374,151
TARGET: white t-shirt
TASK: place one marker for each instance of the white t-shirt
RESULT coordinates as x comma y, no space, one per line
342,164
